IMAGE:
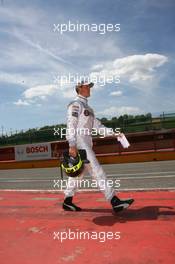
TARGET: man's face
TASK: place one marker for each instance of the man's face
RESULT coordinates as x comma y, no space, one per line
85,90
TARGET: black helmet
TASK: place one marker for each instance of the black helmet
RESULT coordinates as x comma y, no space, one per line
73,167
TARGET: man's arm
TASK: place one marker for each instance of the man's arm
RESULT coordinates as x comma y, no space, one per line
73,113
109,132
101,129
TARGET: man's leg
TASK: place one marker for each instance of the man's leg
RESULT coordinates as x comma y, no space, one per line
96,170
99,174
72,186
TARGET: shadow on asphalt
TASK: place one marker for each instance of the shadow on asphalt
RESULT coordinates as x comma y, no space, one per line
146,213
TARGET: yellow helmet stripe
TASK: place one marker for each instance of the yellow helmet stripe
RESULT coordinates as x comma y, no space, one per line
74,168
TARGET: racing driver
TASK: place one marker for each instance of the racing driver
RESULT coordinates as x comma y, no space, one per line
81,116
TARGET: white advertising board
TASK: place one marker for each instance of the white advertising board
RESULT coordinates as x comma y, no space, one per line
37,151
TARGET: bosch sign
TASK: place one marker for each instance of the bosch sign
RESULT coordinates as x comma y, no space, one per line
33,151
37,149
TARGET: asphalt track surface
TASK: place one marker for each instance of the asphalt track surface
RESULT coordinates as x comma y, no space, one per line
130,176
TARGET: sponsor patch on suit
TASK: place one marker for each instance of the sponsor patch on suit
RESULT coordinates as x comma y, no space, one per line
86,112
75,114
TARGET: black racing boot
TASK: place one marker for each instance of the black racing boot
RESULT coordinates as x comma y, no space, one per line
69,206
118,205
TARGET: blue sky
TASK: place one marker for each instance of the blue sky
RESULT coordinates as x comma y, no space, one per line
32,55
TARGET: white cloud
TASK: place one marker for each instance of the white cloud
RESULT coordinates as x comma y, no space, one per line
35,52
117,111
40,91
97,67
139,67
134,68
116,93
22,103
34,46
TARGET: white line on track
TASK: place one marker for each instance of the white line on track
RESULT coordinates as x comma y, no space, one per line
143,173
114,174
117,178
146,177
91,190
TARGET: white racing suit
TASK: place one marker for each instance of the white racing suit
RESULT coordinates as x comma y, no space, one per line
80,122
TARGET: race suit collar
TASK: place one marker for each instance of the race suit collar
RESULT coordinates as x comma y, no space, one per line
82,99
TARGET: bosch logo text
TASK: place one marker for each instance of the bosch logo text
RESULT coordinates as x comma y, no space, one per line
37,149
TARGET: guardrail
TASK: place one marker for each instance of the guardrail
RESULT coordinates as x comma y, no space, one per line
145,146
143,141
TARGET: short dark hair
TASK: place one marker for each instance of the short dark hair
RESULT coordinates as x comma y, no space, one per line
77,88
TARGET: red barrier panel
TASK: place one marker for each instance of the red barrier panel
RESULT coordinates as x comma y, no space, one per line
7,153
144,141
